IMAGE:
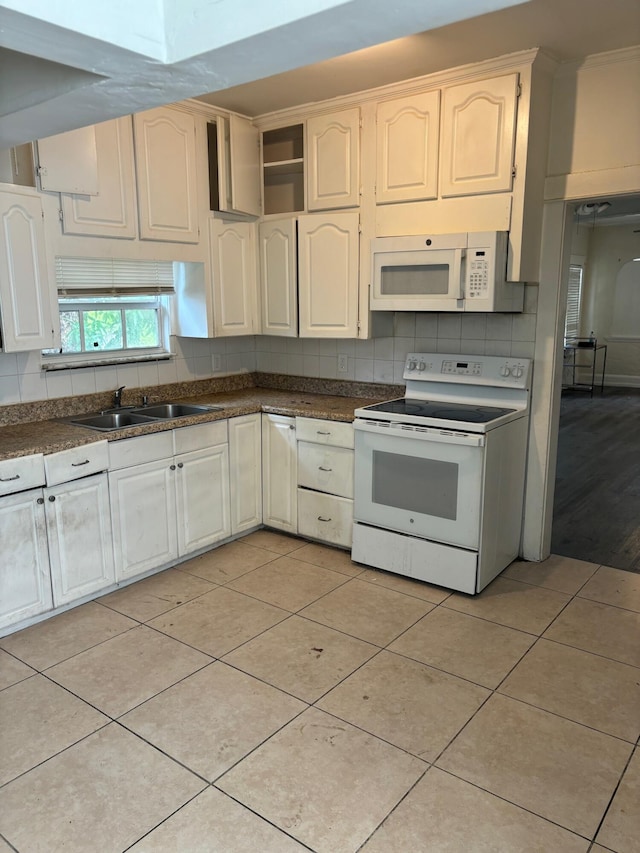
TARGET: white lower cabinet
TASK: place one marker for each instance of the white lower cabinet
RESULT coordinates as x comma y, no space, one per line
175,502
325,517
25,582
245,472
143,512
79,535
279,472
202,492
325,480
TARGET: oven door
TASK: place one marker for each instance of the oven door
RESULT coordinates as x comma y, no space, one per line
419,480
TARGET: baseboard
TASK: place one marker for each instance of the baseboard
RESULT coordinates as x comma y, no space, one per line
621,380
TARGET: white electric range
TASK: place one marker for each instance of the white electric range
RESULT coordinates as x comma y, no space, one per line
439,473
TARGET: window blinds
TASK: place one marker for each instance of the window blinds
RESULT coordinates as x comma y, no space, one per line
112,277
574,302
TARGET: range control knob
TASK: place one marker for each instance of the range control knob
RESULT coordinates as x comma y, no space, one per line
517,372
411,365
421,365
505,370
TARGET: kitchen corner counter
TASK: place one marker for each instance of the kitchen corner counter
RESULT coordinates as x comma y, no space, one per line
53,435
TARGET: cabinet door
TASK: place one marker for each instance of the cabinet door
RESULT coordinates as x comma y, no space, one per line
233,273
333,158
143,512
245,467
26,291
165,147
112,212
407,148
25,582
278,277
244,165
202,491
478,136
68,162
328,275
79,532
279,473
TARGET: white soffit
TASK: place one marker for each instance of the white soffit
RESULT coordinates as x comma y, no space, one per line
151,52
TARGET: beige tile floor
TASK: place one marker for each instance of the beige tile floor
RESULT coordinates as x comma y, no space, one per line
272,696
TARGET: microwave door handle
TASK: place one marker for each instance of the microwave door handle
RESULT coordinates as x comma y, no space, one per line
458,273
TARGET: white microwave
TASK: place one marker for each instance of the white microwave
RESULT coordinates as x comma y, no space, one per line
443,272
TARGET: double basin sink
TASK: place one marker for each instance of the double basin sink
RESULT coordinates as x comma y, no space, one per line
126,417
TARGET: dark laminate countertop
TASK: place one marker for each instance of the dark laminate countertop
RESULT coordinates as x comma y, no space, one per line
50,436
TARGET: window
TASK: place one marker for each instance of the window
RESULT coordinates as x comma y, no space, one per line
111,310
108,323
574,302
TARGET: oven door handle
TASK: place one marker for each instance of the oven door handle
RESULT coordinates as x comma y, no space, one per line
442,436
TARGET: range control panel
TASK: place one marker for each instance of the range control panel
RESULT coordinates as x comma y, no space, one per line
472,369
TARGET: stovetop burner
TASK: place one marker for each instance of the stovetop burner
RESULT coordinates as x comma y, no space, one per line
462,412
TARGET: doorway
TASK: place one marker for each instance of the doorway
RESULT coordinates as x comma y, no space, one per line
596,514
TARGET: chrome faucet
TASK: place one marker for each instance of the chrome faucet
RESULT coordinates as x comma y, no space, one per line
117,396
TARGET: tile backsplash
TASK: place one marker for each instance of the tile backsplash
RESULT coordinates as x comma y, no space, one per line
382,359
23,381
376,360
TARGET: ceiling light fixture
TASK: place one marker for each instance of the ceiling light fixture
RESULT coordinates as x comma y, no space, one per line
592,208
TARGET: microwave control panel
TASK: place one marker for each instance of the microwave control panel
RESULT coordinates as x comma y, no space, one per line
478,268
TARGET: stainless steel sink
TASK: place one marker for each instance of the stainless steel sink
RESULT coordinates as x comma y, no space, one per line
166,411
110,420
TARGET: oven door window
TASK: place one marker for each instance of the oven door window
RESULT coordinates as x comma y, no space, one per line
427,488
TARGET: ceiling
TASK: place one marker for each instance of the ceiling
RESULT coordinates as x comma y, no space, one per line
76,63
566,29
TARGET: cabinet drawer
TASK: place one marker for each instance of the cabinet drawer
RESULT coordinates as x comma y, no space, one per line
336,433
26,472
325,517
76,462
199,436
137,451
327,469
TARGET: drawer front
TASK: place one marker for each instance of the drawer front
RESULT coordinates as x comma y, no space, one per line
327,469
336,433
325,517
17,475
76,462
197,437
137,451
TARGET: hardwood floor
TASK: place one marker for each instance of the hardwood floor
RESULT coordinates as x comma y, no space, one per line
597,500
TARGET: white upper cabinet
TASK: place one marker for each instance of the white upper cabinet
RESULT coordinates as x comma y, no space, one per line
112,212
478,136
328,275
407,148
26,294
68,162
166,158
233,272
278,277
234,165
333,156
244,166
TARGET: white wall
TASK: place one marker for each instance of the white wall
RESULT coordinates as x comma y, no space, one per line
595,127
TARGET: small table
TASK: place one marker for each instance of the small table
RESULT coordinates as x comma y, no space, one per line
586,345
